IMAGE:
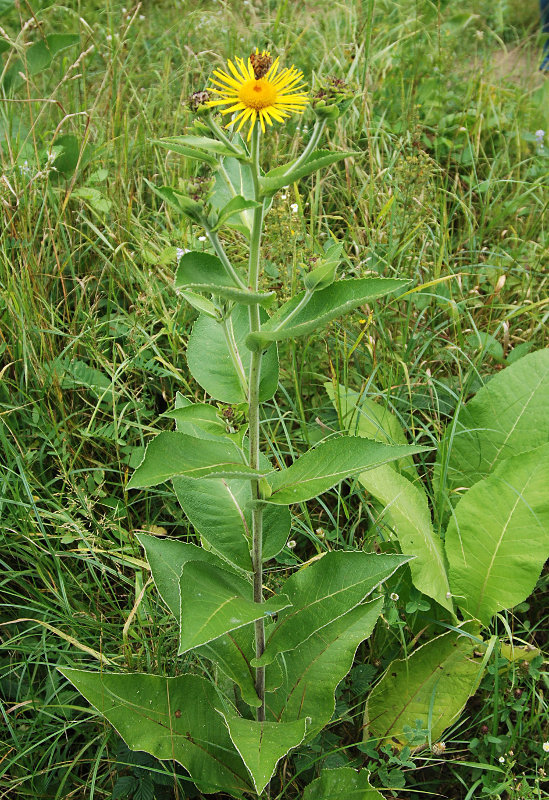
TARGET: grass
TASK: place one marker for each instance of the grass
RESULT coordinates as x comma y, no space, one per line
449,190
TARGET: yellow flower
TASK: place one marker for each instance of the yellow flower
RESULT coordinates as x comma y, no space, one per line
258,91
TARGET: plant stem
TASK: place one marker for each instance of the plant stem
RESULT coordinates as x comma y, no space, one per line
253,413
221,135
223,257
319,126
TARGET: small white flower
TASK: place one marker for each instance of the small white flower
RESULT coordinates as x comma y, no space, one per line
180,252
201,238
294,207
501,759
109,37
291,544
545,746
283,196
394,596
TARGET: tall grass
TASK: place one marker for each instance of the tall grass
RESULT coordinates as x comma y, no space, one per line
449,189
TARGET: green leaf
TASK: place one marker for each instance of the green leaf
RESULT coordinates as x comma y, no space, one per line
203,272
323,591
199,420
286,174
343,782
407,514
166,558
201,148
322,307
508,416
314,669
362,416
210,363
233,179
234,206
170,718
325,272
262,744
429,687
219,509
215,601
498,538
233,653
330,462
178,200
172,453
201,304
38,57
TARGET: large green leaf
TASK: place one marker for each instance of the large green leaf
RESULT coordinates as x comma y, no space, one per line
166,558
294,319
204,272
210,362
407,514
342,783
508,416
262,744
362,416
170,718
431,687
322,591
234,179
219,510
215,601
202,148
233,654
288,173
330,462
314,669
498,538
172,453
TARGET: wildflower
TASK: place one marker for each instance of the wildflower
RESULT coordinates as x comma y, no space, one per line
501,759
291,544
540,136
394,596
545,746
201,238
294,207
257,92
198,100
180,252
283,196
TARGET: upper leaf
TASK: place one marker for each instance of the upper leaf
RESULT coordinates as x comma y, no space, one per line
506,417
234,178
286,174
215,601
170,718
198,147
314,669
262,744
321,307
172,453
323,591
204,272
330,462
498,538
210,362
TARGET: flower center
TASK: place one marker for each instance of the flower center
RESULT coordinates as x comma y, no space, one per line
257,94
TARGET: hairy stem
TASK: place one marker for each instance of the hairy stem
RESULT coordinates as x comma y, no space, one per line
253,411
318,129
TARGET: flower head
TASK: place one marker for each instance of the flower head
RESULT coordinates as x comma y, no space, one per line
257,91
545,746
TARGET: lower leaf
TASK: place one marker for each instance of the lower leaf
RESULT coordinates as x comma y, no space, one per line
262,744
170,718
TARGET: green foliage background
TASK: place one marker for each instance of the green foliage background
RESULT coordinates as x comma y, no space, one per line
450,190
